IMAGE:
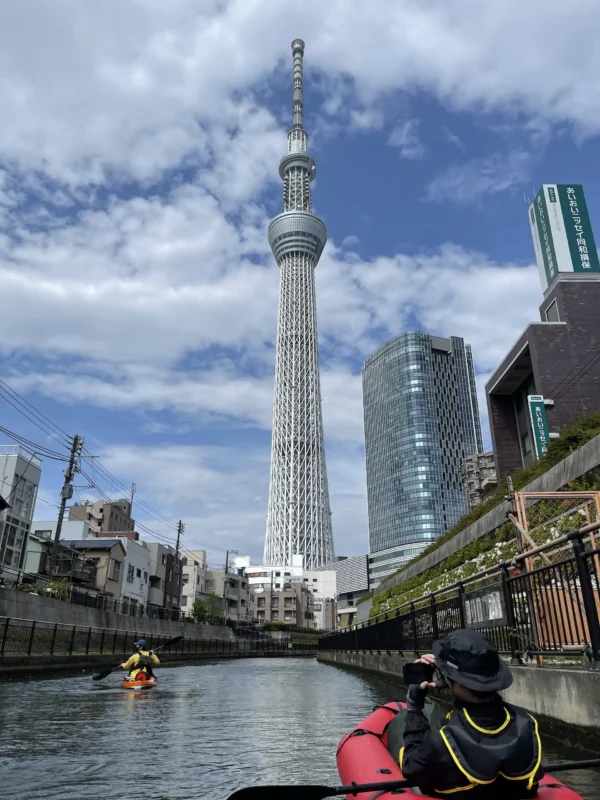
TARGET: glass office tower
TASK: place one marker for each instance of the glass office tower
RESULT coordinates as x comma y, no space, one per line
421,422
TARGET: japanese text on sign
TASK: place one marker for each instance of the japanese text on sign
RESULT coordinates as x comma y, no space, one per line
584,256
546,237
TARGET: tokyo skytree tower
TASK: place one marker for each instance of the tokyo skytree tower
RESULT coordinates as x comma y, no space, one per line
299,519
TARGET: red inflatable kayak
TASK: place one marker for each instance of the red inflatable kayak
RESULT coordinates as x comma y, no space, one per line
150,683
364,758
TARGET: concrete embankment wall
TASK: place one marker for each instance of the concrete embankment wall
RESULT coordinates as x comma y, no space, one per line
565,701
572,467
44,665
21,605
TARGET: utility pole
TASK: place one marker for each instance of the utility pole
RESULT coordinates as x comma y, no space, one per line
180,530
133,491
225,593
65,494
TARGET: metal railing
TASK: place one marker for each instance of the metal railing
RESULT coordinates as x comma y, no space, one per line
27,637
548,610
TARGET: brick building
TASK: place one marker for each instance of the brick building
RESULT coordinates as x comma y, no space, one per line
558,358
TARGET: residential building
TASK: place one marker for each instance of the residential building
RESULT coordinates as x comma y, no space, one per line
479,476
20,473
325,614
352,583
273,577
172,599
556,358
165,582
193,566
104,517
421,422
46,528
293,605
233,586
109,556
70,565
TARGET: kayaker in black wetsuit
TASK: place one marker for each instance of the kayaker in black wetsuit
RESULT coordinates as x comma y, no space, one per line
484,746
141,663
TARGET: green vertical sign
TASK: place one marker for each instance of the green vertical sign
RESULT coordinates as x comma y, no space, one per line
545,233
578,228
539,423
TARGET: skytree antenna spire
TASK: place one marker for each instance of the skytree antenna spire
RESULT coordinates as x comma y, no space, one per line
299,519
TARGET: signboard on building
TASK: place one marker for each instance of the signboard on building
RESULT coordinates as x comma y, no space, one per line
562,233
484,608
539,423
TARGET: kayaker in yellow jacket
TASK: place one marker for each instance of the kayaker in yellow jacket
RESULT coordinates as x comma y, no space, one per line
141,663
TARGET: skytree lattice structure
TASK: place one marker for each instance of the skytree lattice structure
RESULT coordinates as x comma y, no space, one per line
299,519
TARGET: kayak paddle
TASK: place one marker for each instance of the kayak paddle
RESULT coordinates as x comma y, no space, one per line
316,792
105,673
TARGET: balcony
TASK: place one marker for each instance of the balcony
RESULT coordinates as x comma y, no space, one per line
78,570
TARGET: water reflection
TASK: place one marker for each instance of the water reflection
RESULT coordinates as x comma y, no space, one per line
205,731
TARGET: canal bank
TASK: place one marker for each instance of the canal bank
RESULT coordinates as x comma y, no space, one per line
566,701
31,646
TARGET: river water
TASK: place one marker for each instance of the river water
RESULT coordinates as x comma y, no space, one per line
204,732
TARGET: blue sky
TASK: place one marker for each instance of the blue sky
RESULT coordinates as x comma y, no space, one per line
138,171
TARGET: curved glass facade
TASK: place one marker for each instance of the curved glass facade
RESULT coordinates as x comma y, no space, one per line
421,421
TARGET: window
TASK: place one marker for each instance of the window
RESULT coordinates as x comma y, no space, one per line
185,579
114,569
138,573
275,615
130,573
163,559
278,574
552,312
260,614
145,577
184,600
286,574
314,580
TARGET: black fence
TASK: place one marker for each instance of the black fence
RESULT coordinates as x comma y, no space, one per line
553,609
26,638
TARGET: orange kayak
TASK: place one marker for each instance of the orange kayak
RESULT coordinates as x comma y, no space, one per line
148,684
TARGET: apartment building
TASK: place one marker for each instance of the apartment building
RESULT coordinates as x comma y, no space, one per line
103,517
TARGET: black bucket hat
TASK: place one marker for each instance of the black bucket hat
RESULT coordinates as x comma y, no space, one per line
469,658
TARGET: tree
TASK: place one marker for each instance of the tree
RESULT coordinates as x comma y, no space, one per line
206,607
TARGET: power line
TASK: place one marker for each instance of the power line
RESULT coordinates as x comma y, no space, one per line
50,428
40,449
22,409
109,477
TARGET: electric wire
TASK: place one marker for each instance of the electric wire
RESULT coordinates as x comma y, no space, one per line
29,445
44,429
35,411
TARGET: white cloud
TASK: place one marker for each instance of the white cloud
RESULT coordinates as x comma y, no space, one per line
406,138
464,183
151,299
131,87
